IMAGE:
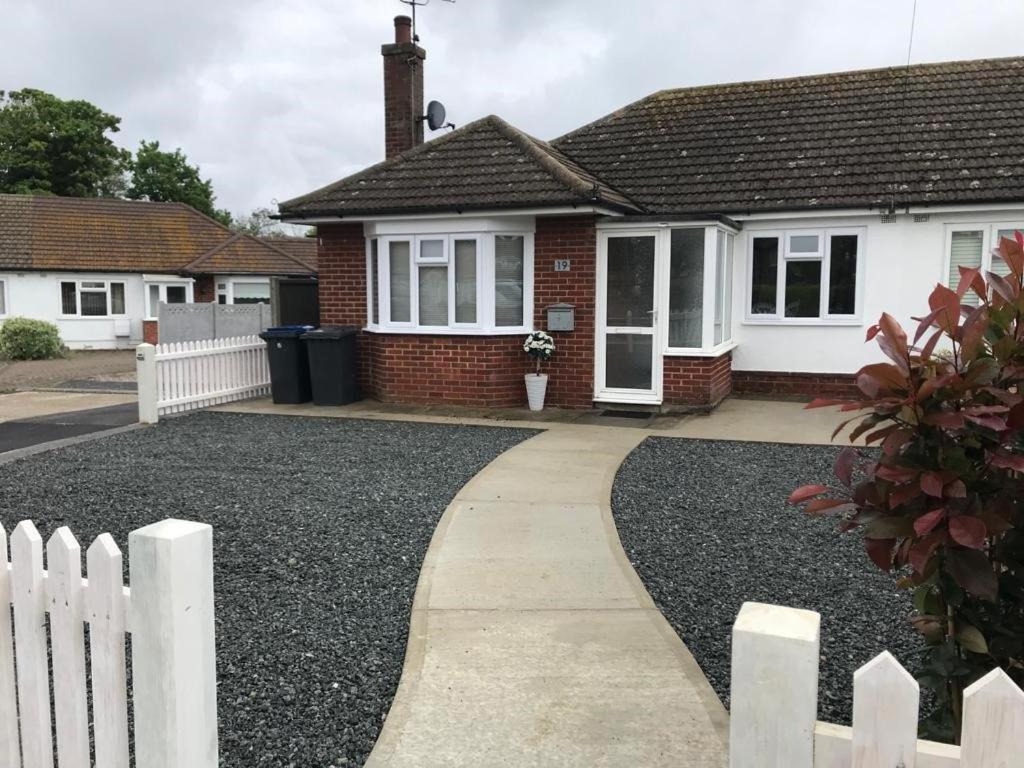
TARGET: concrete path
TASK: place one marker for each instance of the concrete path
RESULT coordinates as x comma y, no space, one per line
533,642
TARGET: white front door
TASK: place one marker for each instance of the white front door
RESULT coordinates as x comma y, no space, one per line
627,359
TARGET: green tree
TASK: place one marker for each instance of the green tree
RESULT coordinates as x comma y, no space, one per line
60,147
167,177
259,223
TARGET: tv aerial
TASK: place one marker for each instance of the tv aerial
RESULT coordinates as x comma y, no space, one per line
414,4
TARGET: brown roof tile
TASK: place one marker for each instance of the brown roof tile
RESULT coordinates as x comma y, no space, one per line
302,248
485,164
105,235
247,255
936,133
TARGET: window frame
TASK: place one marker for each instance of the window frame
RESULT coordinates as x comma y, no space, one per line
824,255
106,290
163,285
228,291
989,233
485,277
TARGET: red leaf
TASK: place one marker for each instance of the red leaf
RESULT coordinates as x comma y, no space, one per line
925,323
1001,286
931,483
944,419
881,434
923,550
903,494
1005,461
872,332
880,552
817,506
995,423
886,375
973,571
948,305
967,530
931,386
895,441
956,490
805,492
929,347
844,466
969,277
896,474
926,523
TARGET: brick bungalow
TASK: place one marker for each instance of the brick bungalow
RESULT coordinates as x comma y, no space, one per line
728,238
98,268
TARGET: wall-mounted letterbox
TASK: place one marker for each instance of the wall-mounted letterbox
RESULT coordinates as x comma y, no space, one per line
561,317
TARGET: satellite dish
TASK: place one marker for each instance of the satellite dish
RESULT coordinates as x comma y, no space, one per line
436,115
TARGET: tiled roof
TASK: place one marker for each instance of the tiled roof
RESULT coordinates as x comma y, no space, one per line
933,133
302,248
486,164
244,254
105,235
936,133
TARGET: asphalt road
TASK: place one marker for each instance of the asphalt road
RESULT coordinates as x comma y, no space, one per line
23,433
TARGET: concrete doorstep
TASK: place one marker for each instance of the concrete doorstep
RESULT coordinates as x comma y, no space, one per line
533,641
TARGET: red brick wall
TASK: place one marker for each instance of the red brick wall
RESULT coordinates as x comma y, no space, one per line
403,97
801,385
204,289
151,331
698,381
571,380
342,267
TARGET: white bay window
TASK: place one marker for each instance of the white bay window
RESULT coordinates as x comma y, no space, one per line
452,283
700,267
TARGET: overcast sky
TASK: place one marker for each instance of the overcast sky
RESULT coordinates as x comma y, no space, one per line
273,98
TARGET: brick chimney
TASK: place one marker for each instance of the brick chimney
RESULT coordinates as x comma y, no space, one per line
403,90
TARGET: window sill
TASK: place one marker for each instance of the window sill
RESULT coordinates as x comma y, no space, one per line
92,317
807,322
718,351
447,331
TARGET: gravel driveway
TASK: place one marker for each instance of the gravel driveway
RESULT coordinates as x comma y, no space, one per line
706,526
320,526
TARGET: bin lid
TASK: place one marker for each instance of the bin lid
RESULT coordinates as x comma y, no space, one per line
331,333
285,332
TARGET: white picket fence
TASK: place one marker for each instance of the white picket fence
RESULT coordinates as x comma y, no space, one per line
169,612
187,375
773,719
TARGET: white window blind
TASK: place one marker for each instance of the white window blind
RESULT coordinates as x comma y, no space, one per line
433,294
374,283
966,250
465,281
398,264
508,280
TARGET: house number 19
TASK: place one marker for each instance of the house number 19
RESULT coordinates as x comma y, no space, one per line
561,265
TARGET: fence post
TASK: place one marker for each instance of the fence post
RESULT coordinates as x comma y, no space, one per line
145,370
774,693
173,653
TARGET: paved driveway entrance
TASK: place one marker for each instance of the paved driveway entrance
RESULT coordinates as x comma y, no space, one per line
32,418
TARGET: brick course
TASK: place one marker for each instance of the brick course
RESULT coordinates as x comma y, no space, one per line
151,331
698,381
802,385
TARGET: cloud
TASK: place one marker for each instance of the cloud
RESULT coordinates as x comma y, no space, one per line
273,98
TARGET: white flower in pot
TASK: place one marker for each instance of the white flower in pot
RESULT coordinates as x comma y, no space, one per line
540,346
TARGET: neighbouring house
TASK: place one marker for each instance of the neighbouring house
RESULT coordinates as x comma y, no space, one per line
729,238
99,267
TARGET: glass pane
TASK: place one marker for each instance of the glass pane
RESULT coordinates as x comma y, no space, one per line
252,293
842,276
154,300
508,280
374,282
628,358
966,250
630,282
804,244
999,266
3,298
432,249
727,290
719,288
94,303
101,286
398,255
803,288
68,299
686,288
176,294
465,281
433,295
117,298
222,299
764,277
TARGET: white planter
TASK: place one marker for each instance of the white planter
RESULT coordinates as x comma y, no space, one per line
536,386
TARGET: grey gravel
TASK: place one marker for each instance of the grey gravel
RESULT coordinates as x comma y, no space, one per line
706,526
320,527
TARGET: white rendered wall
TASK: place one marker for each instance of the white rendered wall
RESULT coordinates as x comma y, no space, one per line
37,295
902,263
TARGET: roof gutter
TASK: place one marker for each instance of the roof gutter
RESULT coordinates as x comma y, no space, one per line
325,217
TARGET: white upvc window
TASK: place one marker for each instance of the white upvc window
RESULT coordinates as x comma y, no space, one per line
700,269
450,283
971,246
92,298
805,276
243,290
3,297
168,292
